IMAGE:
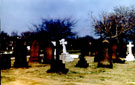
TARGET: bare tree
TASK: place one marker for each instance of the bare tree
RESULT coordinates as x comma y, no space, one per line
56,29
121,21
14,33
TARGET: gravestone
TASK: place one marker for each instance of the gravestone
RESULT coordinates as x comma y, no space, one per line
20,53
5,60
130,56
57,66
82,61
96,46
104,55
34,52
48,52
65,57
122,50
116,53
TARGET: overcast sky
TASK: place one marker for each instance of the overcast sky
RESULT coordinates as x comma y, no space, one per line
19,15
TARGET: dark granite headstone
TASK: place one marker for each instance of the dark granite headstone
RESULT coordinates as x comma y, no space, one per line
96,47
56,65
82,61
122,49
20,53
104,55
34,52
5,61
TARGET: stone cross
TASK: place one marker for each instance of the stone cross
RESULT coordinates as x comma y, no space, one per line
63,43
130,56
130,48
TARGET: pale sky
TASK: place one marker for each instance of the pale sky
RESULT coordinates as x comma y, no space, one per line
19,15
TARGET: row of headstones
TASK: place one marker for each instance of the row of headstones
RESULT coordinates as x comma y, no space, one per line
35,52
34,56
20,53
108,55
65,56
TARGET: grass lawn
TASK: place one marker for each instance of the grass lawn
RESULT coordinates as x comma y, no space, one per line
121,74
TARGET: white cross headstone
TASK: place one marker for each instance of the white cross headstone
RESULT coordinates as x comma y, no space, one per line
130,56
63,43
65,57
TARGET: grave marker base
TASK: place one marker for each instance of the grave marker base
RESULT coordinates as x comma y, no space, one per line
34,59
82,63
20,64
130,57
118,60
5,61
57,67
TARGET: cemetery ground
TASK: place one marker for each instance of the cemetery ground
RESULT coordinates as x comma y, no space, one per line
121,74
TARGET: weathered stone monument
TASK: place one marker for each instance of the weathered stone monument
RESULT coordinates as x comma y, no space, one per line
104,55
130,56
34,52
65,57
20,53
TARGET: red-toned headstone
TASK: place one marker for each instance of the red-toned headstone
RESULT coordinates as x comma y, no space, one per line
34,52
48,53
104,55
114,52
